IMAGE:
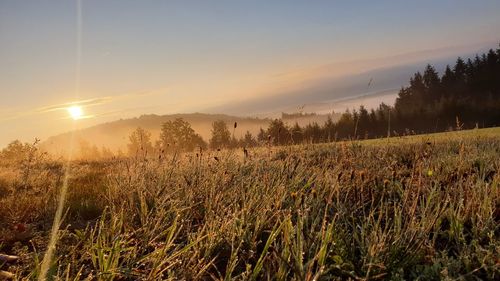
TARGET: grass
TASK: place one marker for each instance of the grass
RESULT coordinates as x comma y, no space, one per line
421,207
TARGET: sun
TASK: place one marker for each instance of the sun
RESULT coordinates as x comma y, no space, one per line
75,112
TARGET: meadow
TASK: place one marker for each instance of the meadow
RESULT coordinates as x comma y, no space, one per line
420,207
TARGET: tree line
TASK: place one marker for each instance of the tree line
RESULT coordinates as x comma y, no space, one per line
467,95
178,136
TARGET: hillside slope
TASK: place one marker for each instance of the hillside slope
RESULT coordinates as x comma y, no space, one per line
114,135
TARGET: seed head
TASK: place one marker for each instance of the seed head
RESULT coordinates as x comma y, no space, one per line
386,182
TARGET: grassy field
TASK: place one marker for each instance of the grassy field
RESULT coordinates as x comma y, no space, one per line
424,207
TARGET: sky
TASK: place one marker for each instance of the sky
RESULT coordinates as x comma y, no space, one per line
120,59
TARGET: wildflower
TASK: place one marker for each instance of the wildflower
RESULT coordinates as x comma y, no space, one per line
430,173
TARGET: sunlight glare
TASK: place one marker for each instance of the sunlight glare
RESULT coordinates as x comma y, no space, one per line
75,112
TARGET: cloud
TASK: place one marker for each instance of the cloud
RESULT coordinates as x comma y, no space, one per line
7,115
83,103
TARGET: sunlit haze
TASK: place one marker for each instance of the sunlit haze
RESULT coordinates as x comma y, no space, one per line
236,57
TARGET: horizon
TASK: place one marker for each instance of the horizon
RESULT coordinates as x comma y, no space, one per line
167,58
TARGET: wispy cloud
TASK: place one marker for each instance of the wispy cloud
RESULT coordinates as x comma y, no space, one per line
82,103
7,115
111,112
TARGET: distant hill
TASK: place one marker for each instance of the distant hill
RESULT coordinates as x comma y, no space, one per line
114,135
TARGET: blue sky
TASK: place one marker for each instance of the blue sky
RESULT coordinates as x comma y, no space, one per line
193,55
